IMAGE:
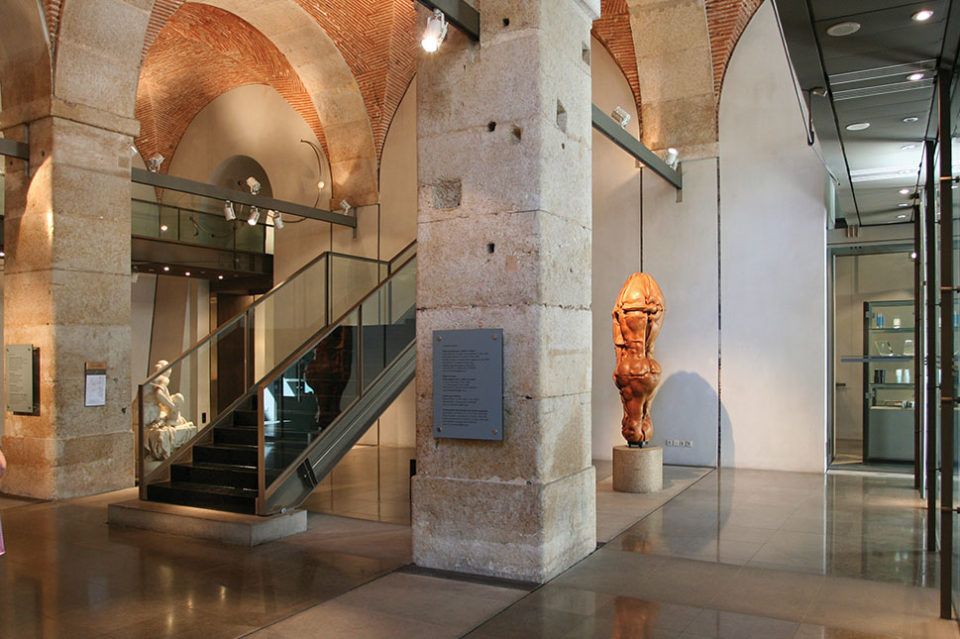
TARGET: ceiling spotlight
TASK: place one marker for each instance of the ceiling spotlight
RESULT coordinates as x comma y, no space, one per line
842,29
166,269
435,32
904,205
858,126
911,119
621,116
277,218
3,254
164,228
187,273
923,15
673,158
219,277
253,185
820,92
345,207
914,77
254,216
228,213
901,217
913,255
908,147
155,162
320,185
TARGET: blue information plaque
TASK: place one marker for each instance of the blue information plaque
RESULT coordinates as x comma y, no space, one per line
468,384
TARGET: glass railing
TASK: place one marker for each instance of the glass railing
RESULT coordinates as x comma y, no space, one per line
305,399
183,399
204,226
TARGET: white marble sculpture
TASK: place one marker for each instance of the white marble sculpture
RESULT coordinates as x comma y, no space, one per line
166,429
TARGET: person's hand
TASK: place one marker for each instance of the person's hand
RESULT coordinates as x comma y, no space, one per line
3,464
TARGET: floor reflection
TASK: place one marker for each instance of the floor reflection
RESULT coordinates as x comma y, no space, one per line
66,573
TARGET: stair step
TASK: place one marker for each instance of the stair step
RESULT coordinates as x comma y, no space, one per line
209,474
245,417
240,436
231,454
235,500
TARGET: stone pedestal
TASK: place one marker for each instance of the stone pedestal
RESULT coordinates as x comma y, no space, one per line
504,232
637,470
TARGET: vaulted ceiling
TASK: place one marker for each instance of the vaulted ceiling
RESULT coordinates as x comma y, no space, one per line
193,52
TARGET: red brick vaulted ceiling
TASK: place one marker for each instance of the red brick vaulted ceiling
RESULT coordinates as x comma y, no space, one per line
201,53
726,20
613,31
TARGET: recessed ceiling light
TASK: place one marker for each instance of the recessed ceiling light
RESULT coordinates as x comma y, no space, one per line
904,191
219,277
923,15
911,119
908,147
187,273
164,228
166,269
913,77
901,217
858,126
842,29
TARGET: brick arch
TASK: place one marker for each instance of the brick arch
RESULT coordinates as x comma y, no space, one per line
201,53
331,84
25,69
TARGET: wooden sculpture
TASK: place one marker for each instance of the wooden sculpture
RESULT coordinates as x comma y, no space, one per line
637,318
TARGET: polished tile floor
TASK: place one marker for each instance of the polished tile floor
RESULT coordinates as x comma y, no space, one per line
737,554
751,554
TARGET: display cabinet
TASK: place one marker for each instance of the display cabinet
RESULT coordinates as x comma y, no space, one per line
889,342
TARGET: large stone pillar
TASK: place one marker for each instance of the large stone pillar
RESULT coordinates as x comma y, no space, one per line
67,292
504,234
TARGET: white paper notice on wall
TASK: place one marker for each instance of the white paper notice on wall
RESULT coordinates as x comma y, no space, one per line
95,384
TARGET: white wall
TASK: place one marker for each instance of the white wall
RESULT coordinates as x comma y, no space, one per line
398,178
616,242
773,264
142,292
680,252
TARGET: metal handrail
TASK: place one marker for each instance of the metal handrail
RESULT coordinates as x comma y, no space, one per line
268,379
323,332
229,324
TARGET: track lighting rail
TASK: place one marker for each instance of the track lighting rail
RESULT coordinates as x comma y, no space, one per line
183,185
619,136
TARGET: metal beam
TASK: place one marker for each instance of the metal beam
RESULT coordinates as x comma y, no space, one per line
15,149
218,193
459,14
619,136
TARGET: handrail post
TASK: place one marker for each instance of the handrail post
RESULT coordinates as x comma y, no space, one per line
261,454
141,483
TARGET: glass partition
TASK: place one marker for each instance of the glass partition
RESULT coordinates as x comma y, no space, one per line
201,227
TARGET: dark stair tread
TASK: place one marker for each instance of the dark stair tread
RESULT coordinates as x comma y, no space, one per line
236,468
226,498
189,486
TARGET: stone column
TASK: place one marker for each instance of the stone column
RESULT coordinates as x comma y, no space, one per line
67,292
504,234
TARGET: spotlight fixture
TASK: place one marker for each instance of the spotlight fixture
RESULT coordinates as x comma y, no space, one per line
904,191
3,254
910,120
254,216
220,277
187,273
345,207
923,15
913,255
155,162
858,126
621,116
166,269
904,205
277,217
916,77
901,217
253,185
819,92
228,213
435,32
843,29
164,228
673,158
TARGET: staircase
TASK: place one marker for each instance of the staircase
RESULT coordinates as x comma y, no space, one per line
270,447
